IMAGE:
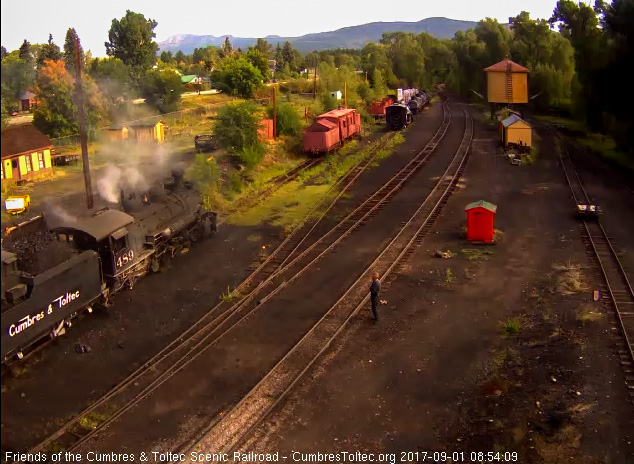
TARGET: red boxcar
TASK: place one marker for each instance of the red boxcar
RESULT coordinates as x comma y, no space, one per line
331,129
377,108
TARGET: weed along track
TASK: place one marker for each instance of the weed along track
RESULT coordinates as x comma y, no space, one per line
617,290
231,430
216,323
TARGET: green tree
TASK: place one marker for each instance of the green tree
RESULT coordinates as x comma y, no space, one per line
379,89
227,48
237,126
113,79
16,77
70,44
206,56
264,47
56,112
50,51
407,57
3,53
162,89
131,39
288,122
167,57
26,53
237,76
259,60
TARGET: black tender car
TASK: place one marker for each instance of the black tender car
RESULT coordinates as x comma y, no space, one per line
398,116
205,142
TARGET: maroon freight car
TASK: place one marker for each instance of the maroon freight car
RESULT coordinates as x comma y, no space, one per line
377,108
331,129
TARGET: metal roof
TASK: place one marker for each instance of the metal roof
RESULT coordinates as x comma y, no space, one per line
512,119
505,66
329,125
481,204
337,113
101,224
188,78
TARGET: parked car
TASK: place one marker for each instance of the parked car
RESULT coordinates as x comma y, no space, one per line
205,142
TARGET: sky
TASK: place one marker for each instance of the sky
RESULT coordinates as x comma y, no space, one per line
246,18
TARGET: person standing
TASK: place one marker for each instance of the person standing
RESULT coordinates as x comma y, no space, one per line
375,290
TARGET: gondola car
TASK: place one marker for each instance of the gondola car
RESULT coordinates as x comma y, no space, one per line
51,274
398,116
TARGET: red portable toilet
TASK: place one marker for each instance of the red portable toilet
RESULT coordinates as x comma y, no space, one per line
480,221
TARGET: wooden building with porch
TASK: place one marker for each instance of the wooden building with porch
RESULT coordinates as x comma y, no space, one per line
26,153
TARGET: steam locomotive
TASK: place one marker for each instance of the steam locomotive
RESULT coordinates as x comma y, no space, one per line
50,275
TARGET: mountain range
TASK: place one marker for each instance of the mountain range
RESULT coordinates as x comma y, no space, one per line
347,37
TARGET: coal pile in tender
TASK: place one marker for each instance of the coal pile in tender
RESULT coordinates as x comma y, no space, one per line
39,251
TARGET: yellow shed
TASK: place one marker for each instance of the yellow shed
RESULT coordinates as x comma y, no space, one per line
507,82
117,133
516,131
148,132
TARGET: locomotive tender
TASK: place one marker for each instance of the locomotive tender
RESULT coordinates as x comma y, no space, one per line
89,259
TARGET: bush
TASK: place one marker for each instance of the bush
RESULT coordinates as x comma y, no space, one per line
235,182
329,102
288,121
237,126
204,173
251,155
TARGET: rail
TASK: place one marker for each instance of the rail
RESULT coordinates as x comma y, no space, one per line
225,434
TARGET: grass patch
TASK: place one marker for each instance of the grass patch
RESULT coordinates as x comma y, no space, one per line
587,314
477,254
511,326
531,157
91,420
230,295
449,277
287,208
570,279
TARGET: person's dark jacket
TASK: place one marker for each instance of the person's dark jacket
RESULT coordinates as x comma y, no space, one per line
375,288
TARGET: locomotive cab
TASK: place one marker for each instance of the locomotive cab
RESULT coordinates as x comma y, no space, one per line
105,232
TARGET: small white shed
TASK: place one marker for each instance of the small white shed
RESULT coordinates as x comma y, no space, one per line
336,94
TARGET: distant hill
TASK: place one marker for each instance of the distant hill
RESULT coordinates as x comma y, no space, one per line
347,37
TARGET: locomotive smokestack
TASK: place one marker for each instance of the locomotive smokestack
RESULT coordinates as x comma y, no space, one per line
177,175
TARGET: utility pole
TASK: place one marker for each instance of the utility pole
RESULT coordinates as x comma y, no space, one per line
315,84
345,95
82,126
274,113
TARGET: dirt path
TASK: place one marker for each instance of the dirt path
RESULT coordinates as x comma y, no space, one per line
147,318
476,355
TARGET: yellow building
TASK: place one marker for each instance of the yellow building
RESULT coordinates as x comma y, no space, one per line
26,153
148,132
116,133
516,131
507,82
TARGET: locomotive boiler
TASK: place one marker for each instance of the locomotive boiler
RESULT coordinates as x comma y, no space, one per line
51,274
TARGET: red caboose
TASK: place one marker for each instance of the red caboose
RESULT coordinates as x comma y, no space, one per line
330,130
377,108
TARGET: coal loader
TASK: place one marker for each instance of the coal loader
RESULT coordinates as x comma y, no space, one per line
51,274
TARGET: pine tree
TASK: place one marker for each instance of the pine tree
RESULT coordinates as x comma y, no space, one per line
25,52
49,51
69,51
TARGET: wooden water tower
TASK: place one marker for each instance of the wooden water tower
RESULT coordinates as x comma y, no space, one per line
507,83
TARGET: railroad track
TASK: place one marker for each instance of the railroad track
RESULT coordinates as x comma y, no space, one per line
280,181
206,331
233,427
617,291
